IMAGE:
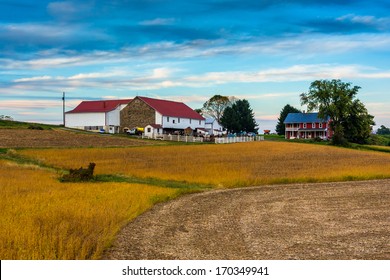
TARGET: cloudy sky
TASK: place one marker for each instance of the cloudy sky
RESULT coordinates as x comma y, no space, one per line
266,51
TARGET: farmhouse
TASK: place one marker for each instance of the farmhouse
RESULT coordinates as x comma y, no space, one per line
213,127
96,115
307,126
158,115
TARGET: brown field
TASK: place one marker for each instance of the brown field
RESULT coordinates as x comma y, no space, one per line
325,221
28,138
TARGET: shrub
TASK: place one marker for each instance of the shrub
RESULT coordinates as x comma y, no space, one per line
79,175
34,126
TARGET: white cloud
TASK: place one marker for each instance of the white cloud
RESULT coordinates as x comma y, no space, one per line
289,74
304,46
158,21
33,79
68,10
158,78
28,104
378,22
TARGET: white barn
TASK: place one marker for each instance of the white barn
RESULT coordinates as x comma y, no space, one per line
101,115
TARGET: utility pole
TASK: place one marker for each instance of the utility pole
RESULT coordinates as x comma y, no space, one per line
63,108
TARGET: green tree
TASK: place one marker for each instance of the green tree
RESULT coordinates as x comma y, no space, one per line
358,124
239,117
215,106
199,111
350,120
280,127
383,130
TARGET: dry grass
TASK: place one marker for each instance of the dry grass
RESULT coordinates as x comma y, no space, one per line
45,219
228,165
42,218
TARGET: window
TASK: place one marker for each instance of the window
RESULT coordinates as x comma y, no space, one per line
190,121
149,129
320,125
173,121
313,125
200,122
167,119
178,120
304,125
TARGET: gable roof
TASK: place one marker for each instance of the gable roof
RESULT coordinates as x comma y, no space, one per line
304,118
210,120
99,106
171,108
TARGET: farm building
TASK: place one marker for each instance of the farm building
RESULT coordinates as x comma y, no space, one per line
307,126
162,115
96,115
152,130
213,127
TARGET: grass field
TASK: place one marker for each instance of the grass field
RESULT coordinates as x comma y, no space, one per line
42,218
45,219
242,164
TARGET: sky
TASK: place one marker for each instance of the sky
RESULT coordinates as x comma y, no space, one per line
265,51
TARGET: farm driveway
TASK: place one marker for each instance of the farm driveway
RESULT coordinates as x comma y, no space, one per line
347,220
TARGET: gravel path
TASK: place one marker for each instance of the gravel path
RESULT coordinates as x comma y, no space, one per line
347,220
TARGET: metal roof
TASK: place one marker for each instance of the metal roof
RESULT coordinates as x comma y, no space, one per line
171,108
99,106
210,120
304,118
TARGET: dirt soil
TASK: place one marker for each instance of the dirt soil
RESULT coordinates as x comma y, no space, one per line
29,138
347,220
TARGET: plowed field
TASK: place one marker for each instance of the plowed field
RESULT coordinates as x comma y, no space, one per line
347,220
29,138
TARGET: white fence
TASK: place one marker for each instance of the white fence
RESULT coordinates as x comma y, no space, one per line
177,138
238,139
217,140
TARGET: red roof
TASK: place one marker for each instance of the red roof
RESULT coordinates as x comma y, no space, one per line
171,108
99,106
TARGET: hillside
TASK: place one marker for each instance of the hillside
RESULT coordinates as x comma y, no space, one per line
19,136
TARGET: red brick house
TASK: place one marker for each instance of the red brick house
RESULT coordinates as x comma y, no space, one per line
307,126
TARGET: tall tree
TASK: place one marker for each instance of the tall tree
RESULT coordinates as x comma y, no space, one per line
350,120
215,106
383,130
239,117
280,127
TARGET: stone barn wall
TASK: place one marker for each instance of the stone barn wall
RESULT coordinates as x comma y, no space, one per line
137,114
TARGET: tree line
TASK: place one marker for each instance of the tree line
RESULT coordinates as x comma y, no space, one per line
235,115
334,99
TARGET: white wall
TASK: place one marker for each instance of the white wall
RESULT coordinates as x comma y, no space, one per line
181,123
211,127
113,117
159,118
80,120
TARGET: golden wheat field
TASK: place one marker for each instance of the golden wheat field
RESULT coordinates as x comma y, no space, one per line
45,219
241,164
42,218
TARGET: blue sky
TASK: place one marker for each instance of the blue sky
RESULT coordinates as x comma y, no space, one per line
266,51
